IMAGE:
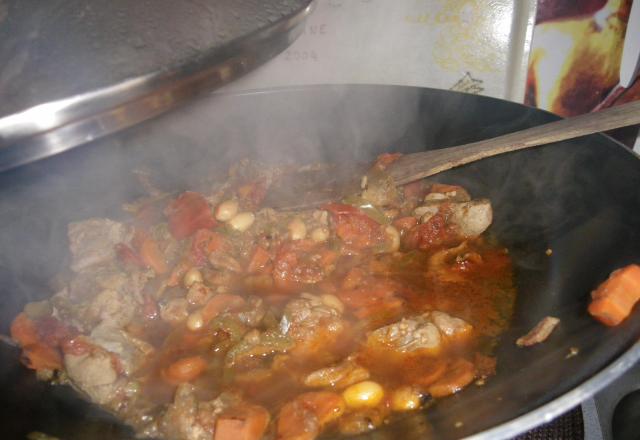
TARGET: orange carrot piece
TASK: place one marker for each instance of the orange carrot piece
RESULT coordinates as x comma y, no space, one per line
219,304
244,423
23,330
184,370
302,418
36,354
152,255
459,374
614,299
327,406
258,260
297,422
42,357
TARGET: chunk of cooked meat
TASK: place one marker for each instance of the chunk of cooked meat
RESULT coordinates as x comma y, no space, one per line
471,218
303,316
104,294
92,242
450,325
338,376
94,374
409,334
131,351
539,333
189,419
113,306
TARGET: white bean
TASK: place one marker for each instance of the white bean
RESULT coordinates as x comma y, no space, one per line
406,398
195,321
297,229
393,238
242,221
193,275
320,235
367,394
227,210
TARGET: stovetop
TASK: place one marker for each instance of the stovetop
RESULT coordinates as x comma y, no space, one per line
612,414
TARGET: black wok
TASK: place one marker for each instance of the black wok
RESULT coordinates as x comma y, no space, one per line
579,198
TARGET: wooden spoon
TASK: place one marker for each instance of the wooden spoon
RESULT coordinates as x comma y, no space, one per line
416,166
296,192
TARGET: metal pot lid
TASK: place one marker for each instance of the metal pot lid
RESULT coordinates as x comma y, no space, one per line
76,70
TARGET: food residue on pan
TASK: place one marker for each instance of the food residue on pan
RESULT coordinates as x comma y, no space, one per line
539,333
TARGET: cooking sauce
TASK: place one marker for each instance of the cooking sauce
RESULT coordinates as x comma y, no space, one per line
290,323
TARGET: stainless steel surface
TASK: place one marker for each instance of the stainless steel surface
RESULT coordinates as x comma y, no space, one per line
564,403
125,75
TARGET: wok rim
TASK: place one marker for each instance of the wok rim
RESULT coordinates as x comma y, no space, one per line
565,402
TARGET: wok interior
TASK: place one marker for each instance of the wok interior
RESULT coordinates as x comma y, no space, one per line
578,198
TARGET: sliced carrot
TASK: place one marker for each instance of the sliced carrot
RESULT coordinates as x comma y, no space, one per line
459,374
259,259
36,354
24,331
152,256
297,422
184,370
244,423
220,303
327,406
42,357
614,299
302,418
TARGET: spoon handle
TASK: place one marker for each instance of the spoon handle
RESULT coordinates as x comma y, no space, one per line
427,163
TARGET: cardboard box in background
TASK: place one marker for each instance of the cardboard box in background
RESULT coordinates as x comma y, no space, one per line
462,44
575,59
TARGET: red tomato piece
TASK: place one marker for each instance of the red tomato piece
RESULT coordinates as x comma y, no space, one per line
355,228
296,264
433,233
188,213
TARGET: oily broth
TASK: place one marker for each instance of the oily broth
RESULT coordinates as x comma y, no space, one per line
481,294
